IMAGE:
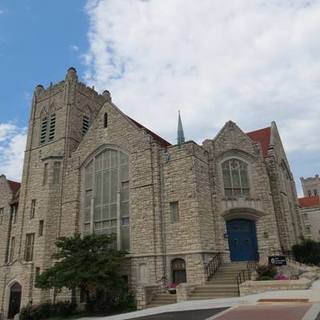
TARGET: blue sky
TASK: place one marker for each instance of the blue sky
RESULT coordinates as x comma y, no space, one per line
38,42
250,61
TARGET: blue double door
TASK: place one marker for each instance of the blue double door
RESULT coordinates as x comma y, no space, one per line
242,239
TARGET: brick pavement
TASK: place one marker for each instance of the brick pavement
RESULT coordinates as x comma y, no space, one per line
266,312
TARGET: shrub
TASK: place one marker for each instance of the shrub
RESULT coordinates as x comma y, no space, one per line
307,252
47,310
110,301
43,311
25,313
64,308
266,271
264,278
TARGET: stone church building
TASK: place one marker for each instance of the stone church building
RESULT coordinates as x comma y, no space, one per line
88,167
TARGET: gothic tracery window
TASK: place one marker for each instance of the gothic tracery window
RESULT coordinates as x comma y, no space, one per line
106,203
235,178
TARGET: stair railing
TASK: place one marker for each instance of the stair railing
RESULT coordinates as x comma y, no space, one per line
213,265
252,265
243,276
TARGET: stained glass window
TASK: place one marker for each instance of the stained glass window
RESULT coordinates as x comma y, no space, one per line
235,178
106,198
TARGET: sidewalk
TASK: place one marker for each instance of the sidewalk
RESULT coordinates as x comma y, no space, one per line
242,305
296,311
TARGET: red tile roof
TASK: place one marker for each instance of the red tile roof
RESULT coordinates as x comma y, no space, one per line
263,137
309,202
14,186
162,142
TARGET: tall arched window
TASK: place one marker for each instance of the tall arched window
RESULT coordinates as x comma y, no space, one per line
106,205
235,178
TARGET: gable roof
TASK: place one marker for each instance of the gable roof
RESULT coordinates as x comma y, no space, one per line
309,202
163,142
263,137
14,186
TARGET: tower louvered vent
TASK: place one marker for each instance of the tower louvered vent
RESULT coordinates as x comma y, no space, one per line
52,127
44,126
85,124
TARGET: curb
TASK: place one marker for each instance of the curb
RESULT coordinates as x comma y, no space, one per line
312,313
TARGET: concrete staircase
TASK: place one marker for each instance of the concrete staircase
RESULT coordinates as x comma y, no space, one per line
162,299
223,284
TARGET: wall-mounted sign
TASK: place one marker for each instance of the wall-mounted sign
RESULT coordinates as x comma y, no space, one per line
277,261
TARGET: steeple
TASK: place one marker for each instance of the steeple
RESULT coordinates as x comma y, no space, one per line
180,138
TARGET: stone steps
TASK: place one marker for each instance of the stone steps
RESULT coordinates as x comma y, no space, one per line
162,299
222,285
205,288
212,296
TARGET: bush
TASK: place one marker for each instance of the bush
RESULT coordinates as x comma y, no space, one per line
47,310
264,278
307,252
64,308
266,271
110,301
25,313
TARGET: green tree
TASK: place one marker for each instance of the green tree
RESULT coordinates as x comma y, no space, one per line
90,263
308,252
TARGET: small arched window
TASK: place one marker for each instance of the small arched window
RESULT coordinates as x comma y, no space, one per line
105,120
178,267
235,178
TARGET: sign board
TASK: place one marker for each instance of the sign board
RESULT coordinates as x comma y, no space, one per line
277,261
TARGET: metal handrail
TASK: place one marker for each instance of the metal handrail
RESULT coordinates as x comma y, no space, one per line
213,265
242,276
252,265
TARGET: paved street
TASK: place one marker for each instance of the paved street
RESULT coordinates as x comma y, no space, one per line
238,308
184,315
267,312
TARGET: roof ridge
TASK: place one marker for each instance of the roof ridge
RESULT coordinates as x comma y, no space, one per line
309,202
269,127
162,141
14,185
261,136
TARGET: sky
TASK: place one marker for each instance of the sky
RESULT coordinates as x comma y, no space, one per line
249,61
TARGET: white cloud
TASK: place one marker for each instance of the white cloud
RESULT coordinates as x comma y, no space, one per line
250,61
74,48
12,147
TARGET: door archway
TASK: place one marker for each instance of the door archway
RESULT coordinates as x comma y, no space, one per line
242,239
178,267
14,300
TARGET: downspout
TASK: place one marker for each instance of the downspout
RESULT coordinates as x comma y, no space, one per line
154,212
162,220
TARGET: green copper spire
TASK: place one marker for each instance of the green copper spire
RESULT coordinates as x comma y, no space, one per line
180,130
